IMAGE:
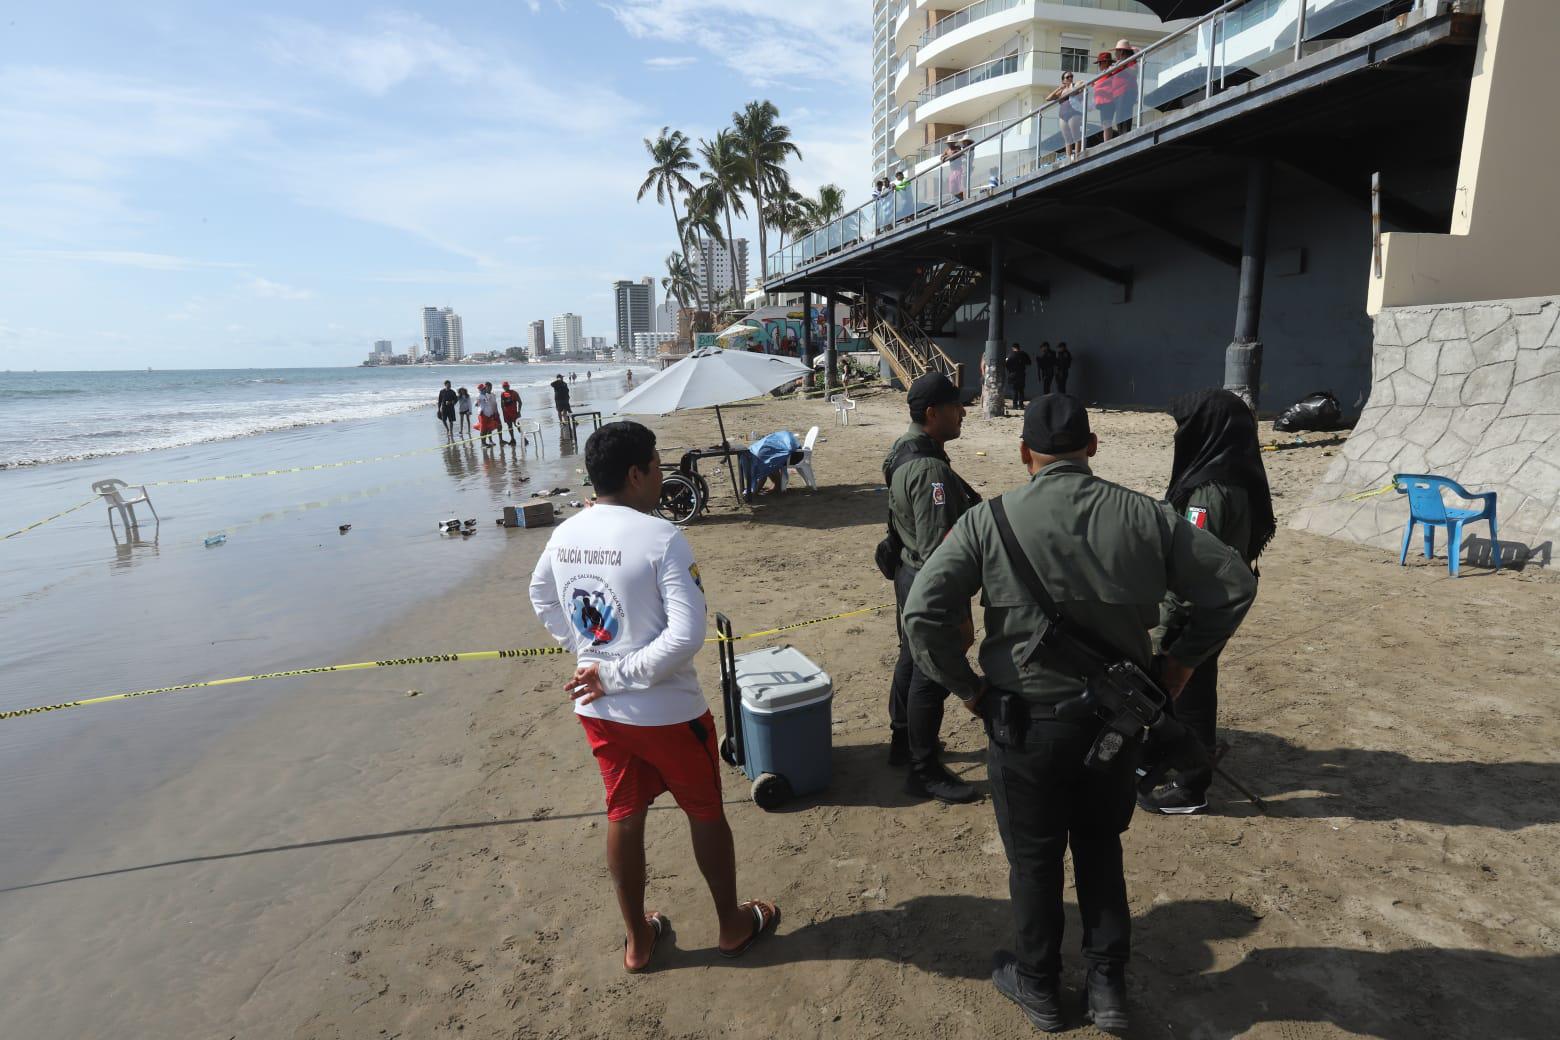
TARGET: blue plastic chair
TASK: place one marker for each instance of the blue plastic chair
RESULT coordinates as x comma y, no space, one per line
1425,506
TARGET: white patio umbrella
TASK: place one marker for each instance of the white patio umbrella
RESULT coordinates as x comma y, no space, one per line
739,329
709,378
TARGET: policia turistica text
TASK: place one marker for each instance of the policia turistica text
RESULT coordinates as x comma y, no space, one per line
1106,556
925,498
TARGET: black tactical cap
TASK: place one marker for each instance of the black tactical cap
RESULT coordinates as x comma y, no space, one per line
1056,424
930,390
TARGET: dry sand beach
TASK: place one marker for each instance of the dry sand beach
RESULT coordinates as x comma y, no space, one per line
355,862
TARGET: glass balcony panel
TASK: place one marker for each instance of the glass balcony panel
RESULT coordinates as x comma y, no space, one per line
1175,73
983,167
1016,159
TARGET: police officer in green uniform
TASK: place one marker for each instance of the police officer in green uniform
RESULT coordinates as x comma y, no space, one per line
1218,483
1106,556
925,498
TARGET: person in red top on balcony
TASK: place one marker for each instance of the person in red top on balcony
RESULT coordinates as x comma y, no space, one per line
1115,92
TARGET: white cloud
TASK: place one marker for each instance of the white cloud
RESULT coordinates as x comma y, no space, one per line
269,290
664,64
768,43
125,258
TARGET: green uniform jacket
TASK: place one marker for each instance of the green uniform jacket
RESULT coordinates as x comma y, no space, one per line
1107,556
1224,511
925,497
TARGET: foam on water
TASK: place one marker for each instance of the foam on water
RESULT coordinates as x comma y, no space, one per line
50,417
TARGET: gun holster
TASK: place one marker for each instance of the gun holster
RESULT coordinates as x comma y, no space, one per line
1007,718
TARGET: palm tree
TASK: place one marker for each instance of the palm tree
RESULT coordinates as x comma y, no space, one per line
829,204
723,178
764,145
702,221
679,282
671,162
786,212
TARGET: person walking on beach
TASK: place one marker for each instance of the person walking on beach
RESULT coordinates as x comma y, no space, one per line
509,404
1063,366
560,391
487,413
447,409
619,587
925,497
463,407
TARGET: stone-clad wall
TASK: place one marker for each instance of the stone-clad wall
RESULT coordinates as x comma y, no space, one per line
1468,391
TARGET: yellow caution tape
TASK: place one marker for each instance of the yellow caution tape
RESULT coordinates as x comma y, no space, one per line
396,662
311,469
47,519
1382,490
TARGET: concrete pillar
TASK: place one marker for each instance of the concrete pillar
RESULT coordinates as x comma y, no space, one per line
831,357
991,386
807,339
1243,357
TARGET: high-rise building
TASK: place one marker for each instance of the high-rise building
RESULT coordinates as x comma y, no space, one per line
567,337
383,347
443,339
666,316
453,335
537,343
597,347
971,70
719,267
635,302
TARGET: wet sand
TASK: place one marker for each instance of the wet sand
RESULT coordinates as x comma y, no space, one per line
354,862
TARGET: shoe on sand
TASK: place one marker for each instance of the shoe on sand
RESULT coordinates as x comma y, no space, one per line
1173,800
1105,1003
936,782
1040,1003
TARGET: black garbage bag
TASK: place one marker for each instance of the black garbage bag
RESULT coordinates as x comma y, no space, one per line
1318,411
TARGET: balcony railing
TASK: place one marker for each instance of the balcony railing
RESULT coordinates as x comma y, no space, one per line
1002,66
1240,40
959,19
1124,6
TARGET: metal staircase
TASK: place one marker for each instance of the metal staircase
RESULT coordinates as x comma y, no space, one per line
910,352
937,292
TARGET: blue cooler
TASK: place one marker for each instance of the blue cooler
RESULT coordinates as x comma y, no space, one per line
779,719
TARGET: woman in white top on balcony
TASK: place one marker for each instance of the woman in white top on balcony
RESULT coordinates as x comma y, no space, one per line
953,170
1070,115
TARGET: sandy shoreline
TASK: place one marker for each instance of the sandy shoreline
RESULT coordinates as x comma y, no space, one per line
436,864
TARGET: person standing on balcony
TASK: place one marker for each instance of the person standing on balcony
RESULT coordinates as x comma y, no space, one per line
1070,114
1018,364
1063,366
1045,361
953,169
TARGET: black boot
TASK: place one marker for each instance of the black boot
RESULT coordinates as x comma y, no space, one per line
1040,1003
899,747
1106,1002
934,781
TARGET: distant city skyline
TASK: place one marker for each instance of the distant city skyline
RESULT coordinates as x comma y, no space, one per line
296,182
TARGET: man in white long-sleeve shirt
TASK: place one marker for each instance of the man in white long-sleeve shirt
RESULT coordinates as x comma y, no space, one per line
620,587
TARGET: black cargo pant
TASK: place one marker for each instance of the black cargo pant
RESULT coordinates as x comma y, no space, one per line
1016,388
1046,800
1198,709
915,700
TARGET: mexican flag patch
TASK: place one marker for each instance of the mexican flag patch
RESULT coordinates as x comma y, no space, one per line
1198,515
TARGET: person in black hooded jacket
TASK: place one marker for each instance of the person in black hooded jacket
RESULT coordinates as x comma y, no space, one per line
1218,483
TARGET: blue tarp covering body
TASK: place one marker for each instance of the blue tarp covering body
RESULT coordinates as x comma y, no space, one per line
770,455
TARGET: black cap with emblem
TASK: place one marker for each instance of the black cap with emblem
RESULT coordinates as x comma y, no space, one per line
929,391
1056,424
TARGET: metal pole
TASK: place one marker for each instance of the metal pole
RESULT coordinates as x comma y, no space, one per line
1375,221
1299,29
831,358
1213,44
729,468
991,384
1243,357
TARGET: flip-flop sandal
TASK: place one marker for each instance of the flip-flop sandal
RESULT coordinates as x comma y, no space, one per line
660,924
763,923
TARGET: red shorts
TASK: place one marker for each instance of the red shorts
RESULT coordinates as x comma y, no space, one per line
639,762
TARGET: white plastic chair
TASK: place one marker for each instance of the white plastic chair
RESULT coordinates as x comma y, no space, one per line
530,433
843,406
804,467
114,492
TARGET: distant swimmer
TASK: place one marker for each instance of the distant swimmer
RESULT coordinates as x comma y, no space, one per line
509,404
560,391
463,407
629,378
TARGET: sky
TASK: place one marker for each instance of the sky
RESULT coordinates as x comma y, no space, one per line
200,185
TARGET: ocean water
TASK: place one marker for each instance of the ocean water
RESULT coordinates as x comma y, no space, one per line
69,416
